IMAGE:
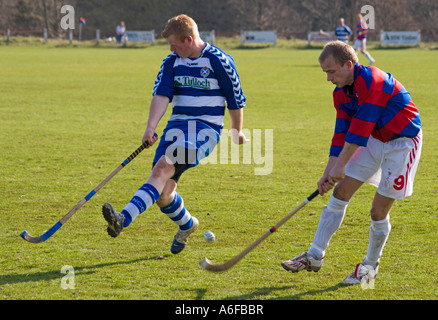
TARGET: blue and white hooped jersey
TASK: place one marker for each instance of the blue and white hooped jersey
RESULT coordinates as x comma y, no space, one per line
342,32
200,88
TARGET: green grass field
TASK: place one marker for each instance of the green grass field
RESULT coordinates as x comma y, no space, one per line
71,115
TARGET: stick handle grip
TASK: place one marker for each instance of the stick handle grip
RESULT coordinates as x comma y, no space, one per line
313,195
136,152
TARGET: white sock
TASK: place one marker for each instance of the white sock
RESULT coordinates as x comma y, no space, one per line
379,232
329,222
368,56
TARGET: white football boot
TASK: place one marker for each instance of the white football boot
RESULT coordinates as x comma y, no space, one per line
304,261
361,274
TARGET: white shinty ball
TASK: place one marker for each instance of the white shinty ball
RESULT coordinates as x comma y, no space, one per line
209,236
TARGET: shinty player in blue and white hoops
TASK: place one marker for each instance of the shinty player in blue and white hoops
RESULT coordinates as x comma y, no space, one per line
200,81
342,31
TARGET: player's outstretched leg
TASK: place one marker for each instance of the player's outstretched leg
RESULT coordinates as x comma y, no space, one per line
145,197
115,220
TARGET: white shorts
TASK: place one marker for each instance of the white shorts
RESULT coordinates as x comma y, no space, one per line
389,166
360,44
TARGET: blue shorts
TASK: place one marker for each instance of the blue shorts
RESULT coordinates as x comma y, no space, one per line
185,143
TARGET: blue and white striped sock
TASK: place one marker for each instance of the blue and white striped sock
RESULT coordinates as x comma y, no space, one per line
178,213
145,197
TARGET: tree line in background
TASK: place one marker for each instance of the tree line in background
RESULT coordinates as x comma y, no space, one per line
291,18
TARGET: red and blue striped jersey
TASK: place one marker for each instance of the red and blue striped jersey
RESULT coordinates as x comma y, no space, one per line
361,27
375,105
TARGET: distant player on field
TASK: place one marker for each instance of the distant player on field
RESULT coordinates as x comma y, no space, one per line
378,140
200,81
342,31
361,38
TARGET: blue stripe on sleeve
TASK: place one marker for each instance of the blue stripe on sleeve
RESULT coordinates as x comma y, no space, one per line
164,81
356,139
412,129
342,125
335,151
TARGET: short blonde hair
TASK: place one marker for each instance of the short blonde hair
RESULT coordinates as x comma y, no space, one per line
181,26
340,51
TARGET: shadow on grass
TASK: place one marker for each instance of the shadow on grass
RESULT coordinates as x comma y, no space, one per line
54,275
257,295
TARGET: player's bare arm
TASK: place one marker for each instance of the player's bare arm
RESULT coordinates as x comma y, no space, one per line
323,184
236,117
157,110
337,173
335,168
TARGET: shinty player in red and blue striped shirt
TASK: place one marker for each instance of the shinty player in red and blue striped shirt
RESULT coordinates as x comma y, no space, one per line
361,38
378,140
377,105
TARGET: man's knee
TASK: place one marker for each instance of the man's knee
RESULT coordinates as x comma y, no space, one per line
381,207
378,214
346,188
341,193
163,168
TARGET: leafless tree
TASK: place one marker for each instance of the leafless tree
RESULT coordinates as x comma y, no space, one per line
288,17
